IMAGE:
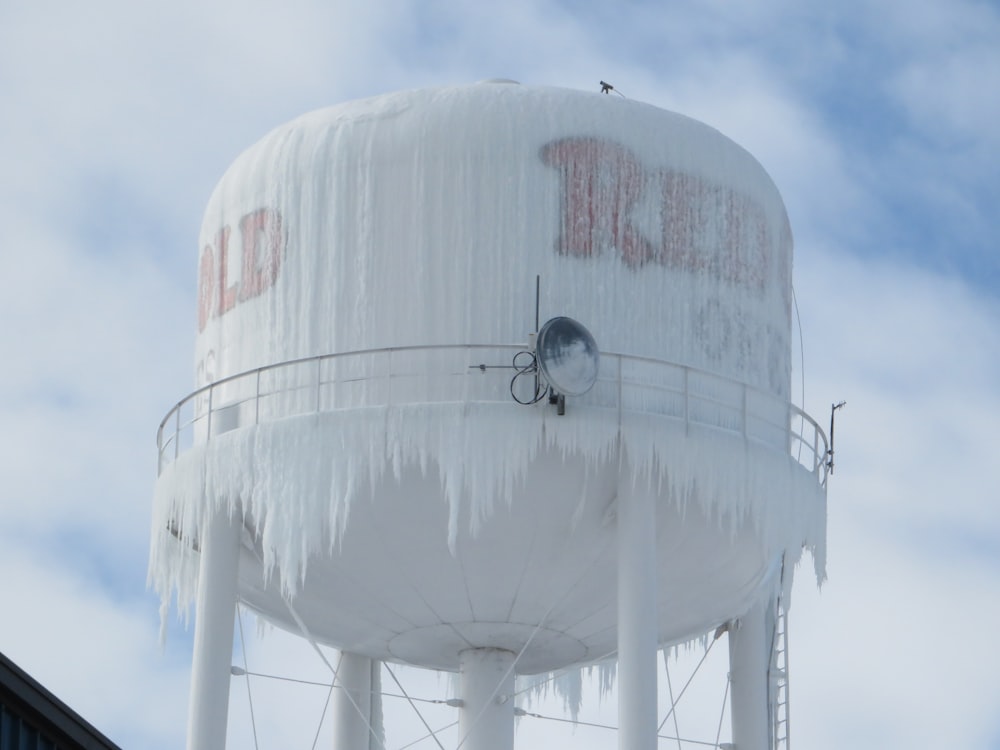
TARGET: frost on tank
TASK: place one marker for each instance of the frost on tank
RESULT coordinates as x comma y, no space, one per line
424,217
392,232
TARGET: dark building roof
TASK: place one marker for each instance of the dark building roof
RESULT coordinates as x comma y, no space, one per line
32,718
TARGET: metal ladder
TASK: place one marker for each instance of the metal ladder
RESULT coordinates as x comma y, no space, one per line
778,682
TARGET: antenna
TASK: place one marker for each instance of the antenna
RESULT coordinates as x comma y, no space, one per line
526,362
833,413
538,287
562,356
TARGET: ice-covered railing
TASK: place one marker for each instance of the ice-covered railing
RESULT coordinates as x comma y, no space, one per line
483,373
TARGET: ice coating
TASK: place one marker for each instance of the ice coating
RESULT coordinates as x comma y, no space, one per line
422,218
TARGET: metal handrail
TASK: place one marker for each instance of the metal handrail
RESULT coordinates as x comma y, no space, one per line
206,403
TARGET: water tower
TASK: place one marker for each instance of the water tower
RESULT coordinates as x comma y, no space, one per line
378,454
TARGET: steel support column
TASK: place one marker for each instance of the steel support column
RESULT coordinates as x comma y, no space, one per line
353,700
749,656
637,625
213,632
486,719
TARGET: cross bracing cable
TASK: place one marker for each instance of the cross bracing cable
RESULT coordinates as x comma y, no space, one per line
686,684
315,646
416,710
585,570
243,649
673,703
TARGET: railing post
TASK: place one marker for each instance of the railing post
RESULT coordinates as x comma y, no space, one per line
208,427
466,380
788,427
743,406
256,399
687,401
159,451
621,394
319,370
388,378
817,460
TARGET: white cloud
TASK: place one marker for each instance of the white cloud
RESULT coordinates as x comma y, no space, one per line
904,622
897,649
916,355
946,93
98,654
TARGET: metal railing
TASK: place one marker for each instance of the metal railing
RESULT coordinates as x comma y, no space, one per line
466,373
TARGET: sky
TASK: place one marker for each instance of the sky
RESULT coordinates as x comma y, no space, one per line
878,123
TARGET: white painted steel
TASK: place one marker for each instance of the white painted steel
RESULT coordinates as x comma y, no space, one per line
555,519
352,702
422,216
749,657
486,719
415,600
213,632
637,619
778,682
321,384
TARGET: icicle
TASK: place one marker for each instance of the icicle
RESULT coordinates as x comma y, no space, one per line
422,217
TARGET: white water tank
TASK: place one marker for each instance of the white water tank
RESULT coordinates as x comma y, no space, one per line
356,268
423,217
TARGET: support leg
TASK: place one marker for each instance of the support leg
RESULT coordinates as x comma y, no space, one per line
353,702
486,720
749,656
637,628
213,633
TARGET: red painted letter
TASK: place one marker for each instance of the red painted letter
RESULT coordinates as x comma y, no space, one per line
227,294
206,287
260,231
601,183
